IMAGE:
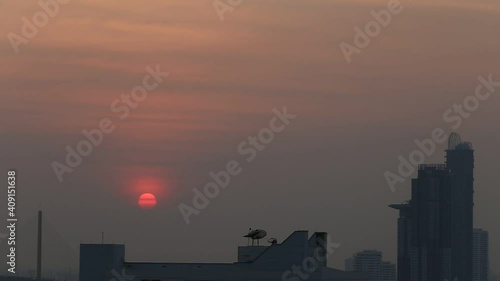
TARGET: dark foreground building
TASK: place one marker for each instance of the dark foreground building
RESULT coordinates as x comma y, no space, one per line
11,278
299,257
435,226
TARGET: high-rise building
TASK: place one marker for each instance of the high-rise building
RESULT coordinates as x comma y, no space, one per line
388,271
480,255
424,231
430,251
435,226
460,162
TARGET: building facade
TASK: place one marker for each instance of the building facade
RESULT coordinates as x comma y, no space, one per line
371,263
404,240
388,271
430,252
480,254
460,162
349,264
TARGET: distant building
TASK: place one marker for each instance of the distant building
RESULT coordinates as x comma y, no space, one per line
349,264
435,226
388,271
480,255
299,257
369,262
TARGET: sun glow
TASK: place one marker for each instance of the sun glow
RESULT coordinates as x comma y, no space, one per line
147,201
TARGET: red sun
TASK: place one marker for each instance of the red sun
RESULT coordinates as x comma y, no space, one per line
147,201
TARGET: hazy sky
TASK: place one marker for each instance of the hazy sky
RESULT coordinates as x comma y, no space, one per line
324,172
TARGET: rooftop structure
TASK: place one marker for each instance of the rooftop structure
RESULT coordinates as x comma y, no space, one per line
296,257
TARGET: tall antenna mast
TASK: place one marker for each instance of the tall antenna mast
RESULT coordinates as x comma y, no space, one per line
39,248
